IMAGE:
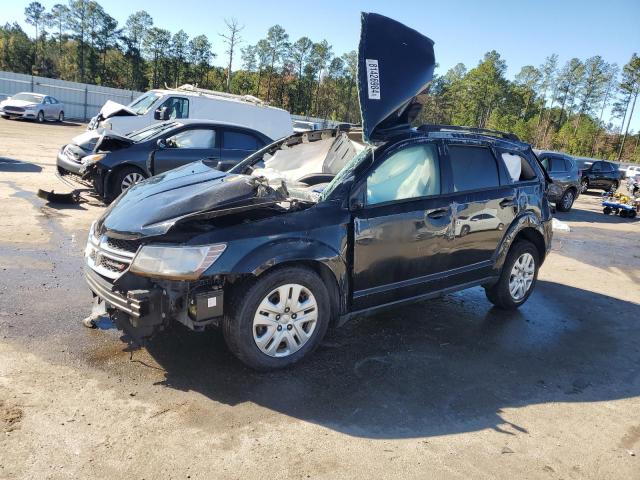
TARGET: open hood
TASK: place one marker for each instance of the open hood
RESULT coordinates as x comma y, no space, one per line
395,63
114,109
152,207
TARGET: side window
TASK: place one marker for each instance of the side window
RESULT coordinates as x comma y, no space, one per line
472,168
177,107
240,141
597,167
558,165
46,101
412,172
197,138
518,167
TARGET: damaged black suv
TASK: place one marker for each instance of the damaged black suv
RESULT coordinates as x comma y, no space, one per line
318,227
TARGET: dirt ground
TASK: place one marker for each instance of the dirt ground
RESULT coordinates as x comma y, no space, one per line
449,388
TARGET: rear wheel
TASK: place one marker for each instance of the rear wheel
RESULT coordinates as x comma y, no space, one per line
277,320
61,117
518,277
126,178
566,201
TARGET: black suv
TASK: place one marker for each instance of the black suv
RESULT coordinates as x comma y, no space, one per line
566,178
314,229
601,174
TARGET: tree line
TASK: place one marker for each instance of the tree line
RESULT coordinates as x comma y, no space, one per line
583,107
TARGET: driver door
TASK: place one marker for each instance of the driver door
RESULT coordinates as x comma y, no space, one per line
402,228
187,146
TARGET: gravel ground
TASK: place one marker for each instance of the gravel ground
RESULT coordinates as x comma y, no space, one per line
449,388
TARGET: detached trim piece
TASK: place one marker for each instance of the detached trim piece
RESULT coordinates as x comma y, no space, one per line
103,289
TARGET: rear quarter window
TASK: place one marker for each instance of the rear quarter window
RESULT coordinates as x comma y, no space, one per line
240,141
472,168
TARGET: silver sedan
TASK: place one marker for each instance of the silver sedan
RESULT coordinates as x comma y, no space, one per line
33,106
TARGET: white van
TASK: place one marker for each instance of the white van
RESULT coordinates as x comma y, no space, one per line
188,101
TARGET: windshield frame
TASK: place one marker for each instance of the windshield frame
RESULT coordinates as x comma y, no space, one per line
31,97
155,129
142,110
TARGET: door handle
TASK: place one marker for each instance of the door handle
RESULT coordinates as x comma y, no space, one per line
437,213
507,202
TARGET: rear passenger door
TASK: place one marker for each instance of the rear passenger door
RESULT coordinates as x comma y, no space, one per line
236,145
186,146
477,186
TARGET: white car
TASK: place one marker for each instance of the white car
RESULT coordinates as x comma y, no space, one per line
32,106
631,171
188,102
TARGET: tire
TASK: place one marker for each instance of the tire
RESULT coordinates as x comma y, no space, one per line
245,324
61,116
464,230
607,210
566,201
499,293
623,213
125,178
40,117
584,185
632,214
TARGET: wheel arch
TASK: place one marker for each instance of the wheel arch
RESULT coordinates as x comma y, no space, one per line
527,227
112,173
326,262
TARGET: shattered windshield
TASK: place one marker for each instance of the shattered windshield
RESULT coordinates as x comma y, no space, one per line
143,104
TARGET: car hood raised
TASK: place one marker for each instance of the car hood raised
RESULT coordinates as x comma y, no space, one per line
152,207
395,63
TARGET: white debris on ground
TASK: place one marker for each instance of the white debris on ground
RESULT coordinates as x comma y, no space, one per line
559,226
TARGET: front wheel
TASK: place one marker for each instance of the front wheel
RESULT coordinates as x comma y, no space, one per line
584,185
518,277
40,117
278,319
126,178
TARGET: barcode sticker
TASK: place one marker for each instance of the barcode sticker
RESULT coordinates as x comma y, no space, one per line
373,79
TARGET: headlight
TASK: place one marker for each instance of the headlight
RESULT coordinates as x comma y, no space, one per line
176,263
106,125
30,107
91,159
92,240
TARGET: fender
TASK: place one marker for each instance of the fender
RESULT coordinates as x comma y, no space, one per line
269,255
275,253
526,219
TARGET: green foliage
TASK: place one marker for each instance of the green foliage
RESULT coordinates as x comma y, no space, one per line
551,106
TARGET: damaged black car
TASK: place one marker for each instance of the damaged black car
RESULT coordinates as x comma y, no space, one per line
316,228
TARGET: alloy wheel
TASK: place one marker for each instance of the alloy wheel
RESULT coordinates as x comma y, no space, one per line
285,320
521,277
567,201
40,117
584,186
130,180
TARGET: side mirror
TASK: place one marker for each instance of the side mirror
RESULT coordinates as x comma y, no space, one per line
161,113
161,143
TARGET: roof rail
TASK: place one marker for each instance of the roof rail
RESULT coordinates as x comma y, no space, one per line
203,91
480,131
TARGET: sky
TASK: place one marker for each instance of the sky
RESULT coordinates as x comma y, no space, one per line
523,32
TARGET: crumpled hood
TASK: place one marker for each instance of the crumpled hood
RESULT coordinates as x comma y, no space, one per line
152,207
111,108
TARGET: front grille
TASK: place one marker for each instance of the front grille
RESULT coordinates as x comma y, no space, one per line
13,109
110,257
130,246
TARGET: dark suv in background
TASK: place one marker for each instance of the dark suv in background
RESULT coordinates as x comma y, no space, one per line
313,229
566,178
602,175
